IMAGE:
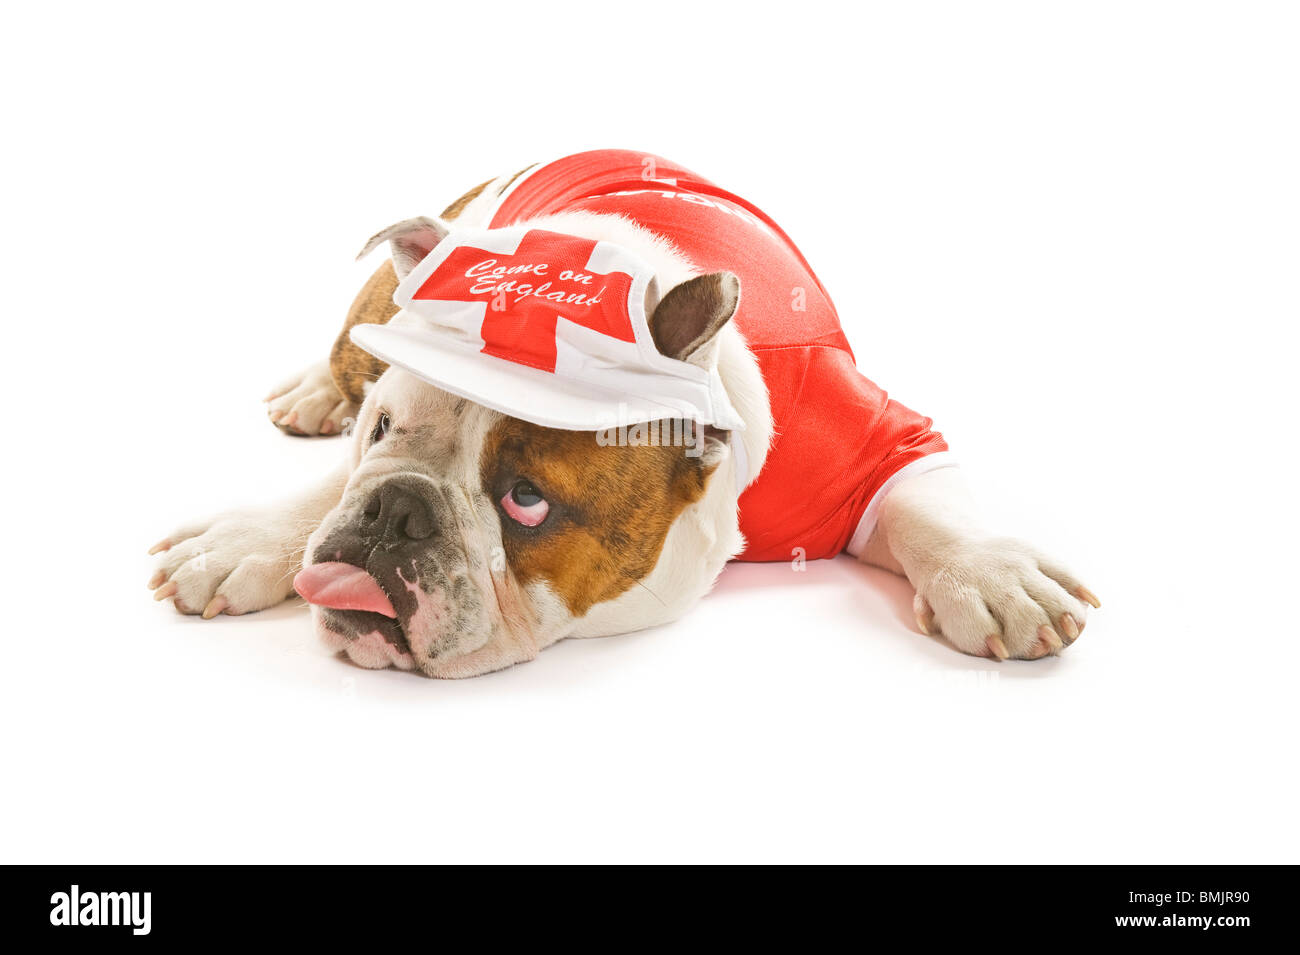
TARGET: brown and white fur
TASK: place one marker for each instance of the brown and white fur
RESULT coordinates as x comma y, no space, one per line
635,536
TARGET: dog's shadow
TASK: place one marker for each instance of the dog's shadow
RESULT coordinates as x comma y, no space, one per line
878,596
852,594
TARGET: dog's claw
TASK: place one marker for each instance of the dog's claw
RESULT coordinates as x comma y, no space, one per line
924,615
1070,627
215,606
1041,649
166,590
156,580
997,648
1048,637
1087,596
162,545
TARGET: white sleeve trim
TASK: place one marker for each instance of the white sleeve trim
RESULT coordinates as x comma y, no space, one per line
931,462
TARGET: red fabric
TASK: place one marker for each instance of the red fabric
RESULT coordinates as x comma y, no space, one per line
838,436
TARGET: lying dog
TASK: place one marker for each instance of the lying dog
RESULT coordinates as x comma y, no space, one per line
469,530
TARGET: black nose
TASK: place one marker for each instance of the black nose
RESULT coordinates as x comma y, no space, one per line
398,511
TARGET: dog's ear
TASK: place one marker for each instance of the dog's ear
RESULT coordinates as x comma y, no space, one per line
685,324
411,240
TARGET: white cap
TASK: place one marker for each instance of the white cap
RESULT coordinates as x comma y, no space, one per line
542,326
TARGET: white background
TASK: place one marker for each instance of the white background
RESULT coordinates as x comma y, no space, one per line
1068,232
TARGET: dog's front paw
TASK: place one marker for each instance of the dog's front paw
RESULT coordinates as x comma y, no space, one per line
310,404
236,564
1000,598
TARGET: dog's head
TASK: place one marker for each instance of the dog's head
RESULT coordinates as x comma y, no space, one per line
467,540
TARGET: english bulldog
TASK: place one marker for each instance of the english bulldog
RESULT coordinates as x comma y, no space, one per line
571,399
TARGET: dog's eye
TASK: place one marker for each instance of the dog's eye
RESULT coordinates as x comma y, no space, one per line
381,427
525,504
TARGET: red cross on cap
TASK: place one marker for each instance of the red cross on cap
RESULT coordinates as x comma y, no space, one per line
527,291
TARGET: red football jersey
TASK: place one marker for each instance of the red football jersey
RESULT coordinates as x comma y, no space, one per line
839,438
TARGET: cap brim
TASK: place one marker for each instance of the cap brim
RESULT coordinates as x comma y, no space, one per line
510,388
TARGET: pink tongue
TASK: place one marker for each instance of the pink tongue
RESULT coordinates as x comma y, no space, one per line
342,587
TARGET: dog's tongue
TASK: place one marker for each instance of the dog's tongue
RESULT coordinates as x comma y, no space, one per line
342,587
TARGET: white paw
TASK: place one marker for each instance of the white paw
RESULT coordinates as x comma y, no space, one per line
1000,598
236,564
309,403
